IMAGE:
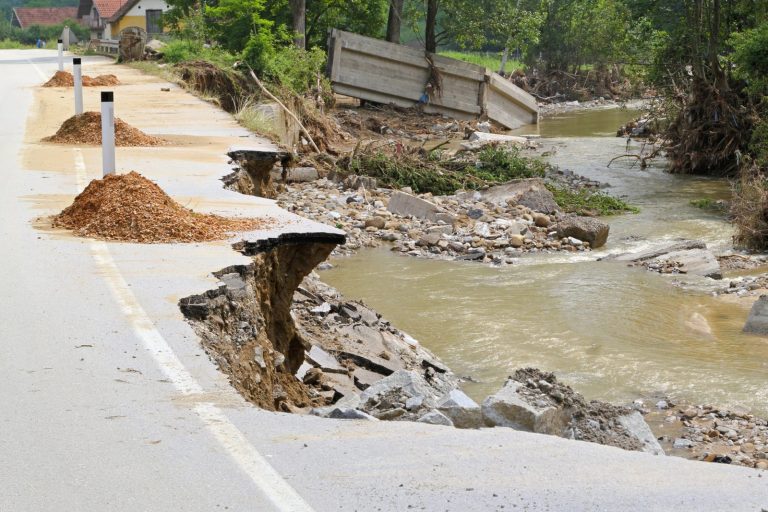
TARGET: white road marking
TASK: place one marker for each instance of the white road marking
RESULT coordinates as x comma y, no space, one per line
266,478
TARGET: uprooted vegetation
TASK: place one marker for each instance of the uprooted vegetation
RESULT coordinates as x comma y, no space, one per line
131,208
589,202
431,171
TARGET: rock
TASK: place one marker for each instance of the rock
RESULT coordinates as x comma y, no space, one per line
662,404
414,403
462,410
506,408
322,309
429,239
436,418
531,193
655,253
356,182
313,376
475,213
482,229
682,443
586,229
403,382
637,427
700,262
346,413
757,322
405,204
541,220
376,222
442,230
516,240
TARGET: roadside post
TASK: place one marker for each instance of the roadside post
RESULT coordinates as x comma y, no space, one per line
77,72
61,54
108,132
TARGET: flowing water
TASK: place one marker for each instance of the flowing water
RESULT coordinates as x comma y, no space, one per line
612,332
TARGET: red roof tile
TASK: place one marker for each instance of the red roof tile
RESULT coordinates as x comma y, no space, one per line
108,8
45,16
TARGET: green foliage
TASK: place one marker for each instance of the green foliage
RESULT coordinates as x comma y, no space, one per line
179,50
498,164
750,55
10,44
296,69
587,202
490,60
30,35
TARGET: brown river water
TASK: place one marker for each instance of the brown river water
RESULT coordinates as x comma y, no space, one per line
612,332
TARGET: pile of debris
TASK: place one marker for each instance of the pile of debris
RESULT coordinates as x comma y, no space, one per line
711,434
131,208
65,79
494,225
85,128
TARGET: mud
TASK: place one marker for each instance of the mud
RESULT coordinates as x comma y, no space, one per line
86,129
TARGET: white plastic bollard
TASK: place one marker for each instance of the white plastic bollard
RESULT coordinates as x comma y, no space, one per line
77,72
108,132
61,55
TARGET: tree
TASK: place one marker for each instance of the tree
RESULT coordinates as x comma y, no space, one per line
394,21
430,30
299,25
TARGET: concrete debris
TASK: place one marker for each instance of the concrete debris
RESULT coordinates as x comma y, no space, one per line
757,322
462,410
436,418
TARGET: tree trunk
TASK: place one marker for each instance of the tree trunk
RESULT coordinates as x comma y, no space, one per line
394,21
431,39
504,57
299,16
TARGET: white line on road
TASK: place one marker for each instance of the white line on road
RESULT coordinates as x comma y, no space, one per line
266,478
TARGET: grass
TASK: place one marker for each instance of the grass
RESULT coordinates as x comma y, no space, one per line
490,60
255,121
10,44
587,202
153,68
707,203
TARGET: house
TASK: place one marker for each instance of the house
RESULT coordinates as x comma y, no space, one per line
106,18
25,17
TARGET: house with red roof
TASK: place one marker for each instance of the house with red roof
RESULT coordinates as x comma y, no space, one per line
25,17
106,18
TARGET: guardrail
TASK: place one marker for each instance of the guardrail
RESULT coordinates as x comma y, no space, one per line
106,46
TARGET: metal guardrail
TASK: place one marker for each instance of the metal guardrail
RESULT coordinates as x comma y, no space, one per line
388,73
106,46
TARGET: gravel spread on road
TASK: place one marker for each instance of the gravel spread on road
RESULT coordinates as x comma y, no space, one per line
86,129
131,208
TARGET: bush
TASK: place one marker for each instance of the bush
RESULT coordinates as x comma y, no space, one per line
184,50
750,210
750,54
296,69
498,163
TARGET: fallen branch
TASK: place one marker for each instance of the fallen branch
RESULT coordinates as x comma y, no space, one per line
274,98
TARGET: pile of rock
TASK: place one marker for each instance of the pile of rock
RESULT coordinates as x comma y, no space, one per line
709,434
495,225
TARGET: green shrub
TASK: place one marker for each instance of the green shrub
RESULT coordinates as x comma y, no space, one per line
499,163
296,69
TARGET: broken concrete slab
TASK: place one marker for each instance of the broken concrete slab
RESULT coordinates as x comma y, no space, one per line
636,427
402,382
699,262
404,204
682,245
324,360
295,174
488,138
506,408
462,410
531,193
346,413
757,322
586,229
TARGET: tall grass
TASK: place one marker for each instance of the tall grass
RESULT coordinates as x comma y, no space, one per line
490,60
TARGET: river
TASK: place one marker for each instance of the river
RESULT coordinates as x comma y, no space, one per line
612,332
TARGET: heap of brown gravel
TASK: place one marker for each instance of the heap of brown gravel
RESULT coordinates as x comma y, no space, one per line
130,208
65,79
86,129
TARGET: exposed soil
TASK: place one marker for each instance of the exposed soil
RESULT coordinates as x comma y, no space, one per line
131,208
227,86
65,79
86,129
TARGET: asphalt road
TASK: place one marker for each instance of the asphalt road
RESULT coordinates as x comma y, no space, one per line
107,401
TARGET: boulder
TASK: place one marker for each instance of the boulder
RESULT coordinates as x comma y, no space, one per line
436,418
586,229
401,383
346,413
376,222
541,220
462,410
699,262
506,408
296,174
757,322
405,204
531,193
636,427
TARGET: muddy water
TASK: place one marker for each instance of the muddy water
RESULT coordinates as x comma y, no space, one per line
613,332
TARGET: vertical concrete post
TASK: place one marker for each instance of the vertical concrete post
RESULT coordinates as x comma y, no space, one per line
61,54
77,72
107,132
